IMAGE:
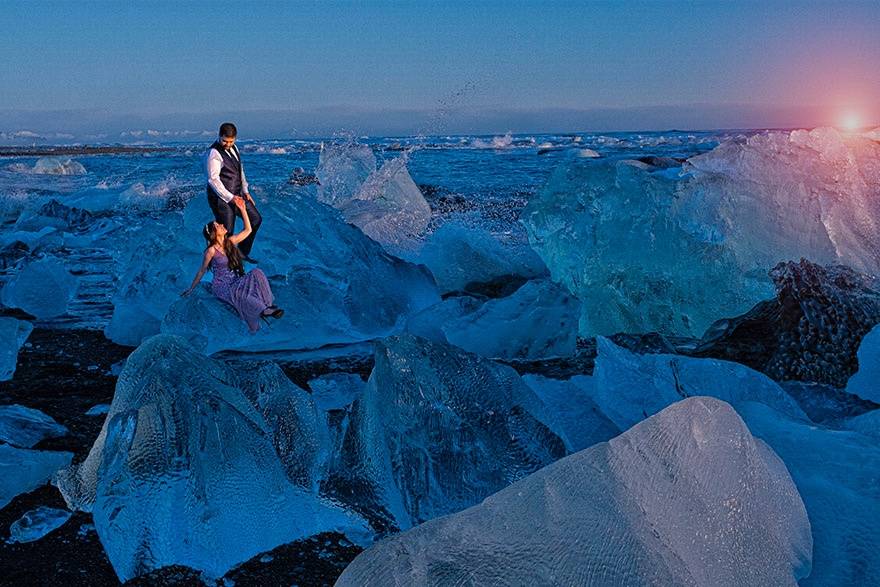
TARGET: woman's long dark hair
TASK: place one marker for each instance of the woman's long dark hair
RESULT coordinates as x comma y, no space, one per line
229,249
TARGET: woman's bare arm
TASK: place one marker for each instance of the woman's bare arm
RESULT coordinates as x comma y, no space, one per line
206,261
237,238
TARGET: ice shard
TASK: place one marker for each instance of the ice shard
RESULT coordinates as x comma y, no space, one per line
13,334
687,497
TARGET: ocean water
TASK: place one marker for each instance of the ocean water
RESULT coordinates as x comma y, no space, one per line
482,181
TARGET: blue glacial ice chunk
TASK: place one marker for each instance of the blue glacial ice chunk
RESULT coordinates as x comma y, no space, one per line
537,321
37,523
98,410
384,203
335,284
648,251
570,402
300,438
867,423
13,334
342,170
835,470
23,470
42,288
58,166
836,474
687,497
438,429
335,391
185,470
25,427
865,383
459,256
628,387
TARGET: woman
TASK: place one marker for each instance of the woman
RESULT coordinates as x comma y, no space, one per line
248,293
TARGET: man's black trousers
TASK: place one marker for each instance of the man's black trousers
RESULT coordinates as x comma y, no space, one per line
225,214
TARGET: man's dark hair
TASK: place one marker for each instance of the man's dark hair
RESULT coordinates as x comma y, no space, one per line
227,129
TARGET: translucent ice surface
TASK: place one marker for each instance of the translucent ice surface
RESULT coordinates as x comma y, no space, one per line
687,497
438,429
186,470
384,203
43,289
13,334
24,427
647,250
459,255
335,284
58,166
866,382
23,470
35,524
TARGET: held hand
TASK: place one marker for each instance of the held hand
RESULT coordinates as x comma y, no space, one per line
239,202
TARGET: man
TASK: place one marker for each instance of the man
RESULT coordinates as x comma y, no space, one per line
226,182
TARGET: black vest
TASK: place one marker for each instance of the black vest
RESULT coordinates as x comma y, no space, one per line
230,172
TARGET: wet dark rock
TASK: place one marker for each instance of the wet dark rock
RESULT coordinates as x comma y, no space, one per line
12,254
661,162
810,332
299,177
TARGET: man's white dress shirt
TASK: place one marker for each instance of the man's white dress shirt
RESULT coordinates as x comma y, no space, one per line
214,163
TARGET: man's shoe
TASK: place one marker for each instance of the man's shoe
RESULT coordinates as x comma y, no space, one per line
250,260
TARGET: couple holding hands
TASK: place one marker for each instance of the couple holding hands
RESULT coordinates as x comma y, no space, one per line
249,293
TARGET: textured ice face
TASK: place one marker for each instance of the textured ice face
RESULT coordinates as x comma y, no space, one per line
834,470
628,387
335,284
866,382
438,429
571,403
621,513
836,474
187,471
24,427
647,250
459,256
385,204
23,470
42,288
538,320
13,334
35,524
58,166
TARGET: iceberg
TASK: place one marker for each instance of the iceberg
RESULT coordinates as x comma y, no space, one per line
43,289
335,391
461,257
185,470
335,284
834,470
58,166
384,203
623,512
538,321
570,402
35,524
24,427
437,430
629,387
23,470
866,381
13,334
299,437
647,250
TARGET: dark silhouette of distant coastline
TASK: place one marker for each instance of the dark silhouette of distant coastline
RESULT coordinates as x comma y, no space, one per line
76,150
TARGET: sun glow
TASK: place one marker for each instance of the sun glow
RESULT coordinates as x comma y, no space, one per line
850,122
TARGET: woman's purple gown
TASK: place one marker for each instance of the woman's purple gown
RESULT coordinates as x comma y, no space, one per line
249,294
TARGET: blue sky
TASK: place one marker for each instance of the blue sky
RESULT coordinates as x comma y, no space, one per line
382,66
